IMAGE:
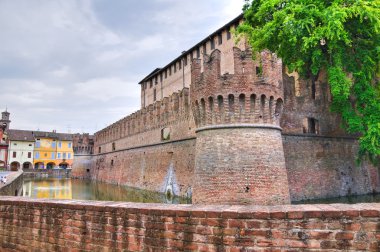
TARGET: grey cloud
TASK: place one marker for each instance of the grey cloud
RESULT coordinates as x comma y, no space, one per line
76,63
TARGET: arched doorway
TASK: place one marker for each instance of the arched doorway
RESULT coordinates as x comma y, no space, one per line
39,165
50,165
63,165
27,165
15,166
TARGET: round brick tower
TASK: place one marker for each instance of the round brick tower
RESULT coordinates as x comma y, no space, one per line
239,153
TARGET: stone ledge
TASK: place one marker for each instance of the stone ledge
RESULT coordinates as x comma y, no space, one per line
222,211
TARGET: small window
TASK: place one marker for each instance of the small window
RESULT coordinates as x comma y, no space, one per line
37,155
53,144
60,144
179,65
185,60
212,42
151,83
155,80
170,70
69,155
154,95
311,126
113,146
204,48
220,39
161,77
175,67
64,155
15,144
228,34
165,134
38,144
191,56
58,155
100,149
69,145
166,73
30,144
45,155
52,155
198,53
112,162
14,154
29,155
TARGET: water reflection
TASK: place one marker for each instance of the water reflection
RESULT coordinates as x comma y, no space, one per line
65,188
354,199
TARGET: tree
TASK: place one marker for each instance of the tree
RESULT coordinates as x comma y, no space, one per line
341,37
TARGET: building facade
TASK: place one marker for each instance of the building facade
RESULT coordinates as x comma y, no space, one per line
21,149
53,150
223,128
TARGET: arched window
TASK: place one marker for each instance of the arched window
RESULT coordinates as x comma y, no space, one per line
242,103
252,103
231,102
220,103
262,107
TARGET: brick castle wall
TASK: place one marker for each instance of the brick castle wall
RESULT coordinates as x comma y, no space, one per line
232,170
239,154
161,167
323,167
48,225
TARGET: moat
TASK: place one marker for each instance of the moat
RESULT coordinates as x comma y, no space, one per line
66,188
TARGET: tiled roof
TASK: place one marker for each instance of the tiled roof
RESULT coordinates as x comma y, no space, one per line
29,135
20,135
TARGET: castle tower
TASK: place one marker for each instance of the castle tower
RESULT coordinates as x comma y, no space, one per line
5,119
239,153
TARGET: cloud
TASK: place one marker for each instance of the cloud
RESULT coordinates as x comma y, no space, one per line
77,63
104,89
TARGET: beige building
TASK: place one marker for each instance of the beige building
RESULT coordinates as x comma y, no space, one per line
163,82
21,147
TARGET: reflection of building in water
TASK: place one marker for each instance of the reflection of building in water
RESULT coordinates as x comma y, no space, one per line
52,188
27,189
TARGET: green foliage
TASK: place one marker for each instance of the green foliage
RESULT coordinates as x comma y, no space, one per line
339,36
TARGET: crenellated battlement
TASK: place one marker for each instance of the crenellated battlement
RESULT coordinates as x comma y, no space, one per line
253,94
160,114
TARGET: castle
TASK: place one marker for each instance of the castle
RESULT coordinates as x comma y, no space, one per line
221,127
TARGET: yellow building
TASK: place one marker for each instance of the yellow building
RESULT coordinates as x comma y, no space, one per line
53,150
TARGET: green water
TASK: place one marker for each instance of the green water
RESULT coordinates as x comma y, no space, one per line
345,200
66,188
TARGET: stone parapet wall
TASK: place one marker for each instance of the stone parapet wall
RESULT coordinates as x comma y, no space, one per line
253,94
145,125
48,225
13,186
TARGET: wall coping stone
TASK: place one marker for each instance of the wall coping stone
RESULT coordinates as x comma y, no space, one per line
239,126
208,211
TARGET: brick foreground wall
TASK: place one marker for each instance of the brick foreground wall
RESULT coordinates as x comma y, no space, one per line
48,225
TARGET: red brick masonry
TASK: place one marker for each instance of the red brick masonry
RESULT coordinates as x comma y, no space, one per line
52,225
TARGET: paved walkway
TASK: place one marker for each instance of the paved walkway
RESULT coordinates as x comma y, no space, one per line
10,177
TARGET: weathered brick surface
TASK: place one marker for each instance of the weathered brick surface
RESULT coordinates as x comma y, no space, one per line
48,225
323,167
149,167
239,155
240,166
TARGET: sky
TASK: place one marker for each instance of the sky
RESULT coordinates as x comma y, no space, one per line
74,65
